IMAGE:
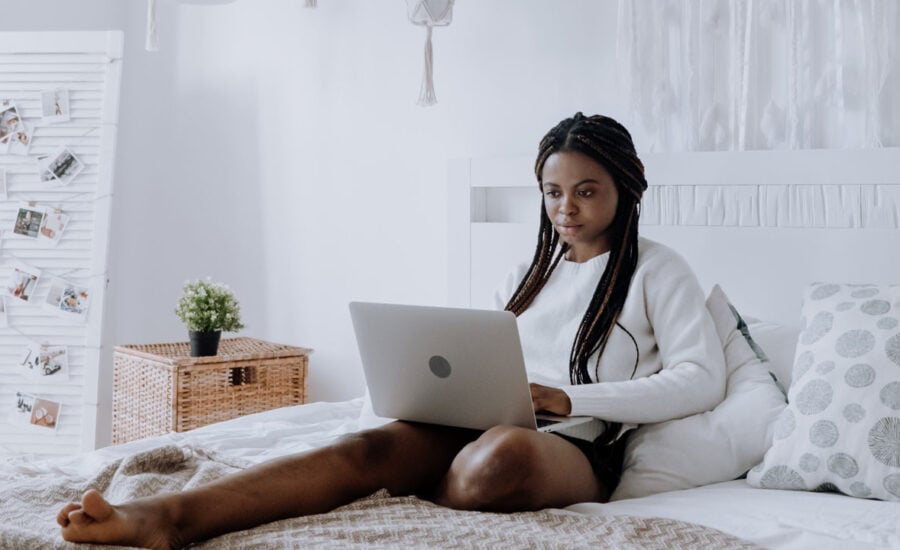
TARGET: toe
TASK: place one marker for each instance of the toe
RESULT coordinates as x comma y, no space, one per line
79,518
94,505
63,517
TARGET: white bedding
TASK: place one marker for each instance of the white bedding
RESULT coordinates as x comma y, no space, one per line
770,518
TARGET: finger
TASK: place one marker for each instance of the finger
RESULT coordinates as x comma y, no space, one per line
62,518
535,394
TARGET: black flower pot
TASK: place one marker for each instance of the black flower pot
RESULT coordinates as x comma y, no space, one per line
204,343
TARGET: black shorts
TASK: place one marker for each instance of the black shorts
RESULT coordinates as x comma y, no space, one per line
606,457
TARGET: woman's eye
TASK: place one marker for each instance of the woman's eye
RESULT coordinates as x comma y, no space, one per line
585,193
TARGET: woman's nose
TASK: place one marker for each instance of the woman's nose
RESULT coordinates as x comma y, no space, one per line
566,205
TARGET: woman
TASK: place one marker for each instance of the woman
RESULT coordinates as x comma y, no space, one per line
612,326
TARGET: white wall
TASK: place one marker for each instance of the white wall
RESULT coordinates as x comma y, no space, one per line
280,149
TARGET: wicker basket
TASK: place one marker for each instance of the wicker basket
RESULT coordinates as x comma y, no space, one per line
159,388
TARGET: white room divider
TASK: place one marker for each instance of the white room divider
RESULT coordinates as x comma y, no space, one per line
59,103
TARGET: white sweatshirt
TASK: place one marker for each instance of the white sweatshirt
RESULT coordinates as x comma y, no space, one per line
680,364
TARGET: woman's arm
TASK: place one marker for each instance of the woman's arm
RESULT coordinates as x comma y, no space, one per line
692,374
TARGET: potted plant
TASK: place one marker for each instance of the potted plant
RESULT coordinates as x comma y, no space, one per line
207,308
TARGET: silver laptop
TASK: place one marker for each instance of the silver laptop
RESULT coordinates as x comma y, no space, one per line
449,366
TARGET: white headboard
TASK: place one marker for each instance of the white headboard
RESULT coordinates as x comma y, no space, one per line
762,224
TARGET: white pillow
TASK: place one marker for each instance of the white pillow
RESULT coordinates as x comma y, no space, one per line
718,445
778,342
841,430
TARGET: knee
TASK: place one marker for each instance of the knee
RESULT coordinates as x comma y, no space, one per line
367,449
491,471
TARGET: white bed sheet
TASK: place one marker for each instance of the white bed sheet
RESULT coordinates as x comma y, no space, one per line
774,519
771,518
249,439
262,436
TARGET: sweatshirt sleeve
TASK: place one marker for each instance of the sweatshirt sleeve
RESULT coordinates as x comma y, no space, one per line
509,285
692,376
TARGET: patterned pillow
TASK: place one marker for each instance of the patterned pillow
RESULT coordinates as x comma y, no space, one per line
841,428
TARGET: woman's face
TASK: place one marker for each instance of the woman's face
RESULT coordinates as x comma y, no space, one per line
580,198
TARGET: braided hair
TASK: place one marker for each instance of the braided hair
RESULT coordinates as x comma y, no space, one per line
608,143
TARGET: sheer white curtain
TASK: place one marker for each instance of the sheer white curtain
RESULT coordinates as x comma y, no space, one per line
761,74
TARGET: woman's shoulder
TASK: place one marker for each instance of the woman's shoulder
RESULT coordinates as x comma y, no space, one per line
653,256
508,285
650,250
515,275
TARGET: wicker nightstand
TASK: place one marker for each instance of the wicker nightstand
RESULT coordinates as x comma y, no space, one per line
158,388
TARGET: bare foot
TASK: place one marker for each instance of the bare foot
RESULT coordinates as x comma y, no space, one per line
139,523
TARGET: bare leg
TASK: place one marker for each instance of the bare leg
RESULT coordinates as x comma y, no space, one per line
403,457
513,469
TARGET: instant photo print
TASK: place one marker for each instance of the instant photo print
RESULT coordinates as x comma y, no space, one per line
45,413
31,410
29,220
54,295
20,140
10,122
60,168
43,360
22,281
42,161
22,408
75,302
55,221
55,106
68,300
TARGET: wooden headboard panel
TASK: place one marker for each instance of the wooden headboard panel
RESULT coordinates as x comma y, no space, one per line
762,224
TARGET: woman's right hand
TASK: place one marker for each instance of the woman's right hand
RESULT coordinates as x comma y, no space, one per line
551,400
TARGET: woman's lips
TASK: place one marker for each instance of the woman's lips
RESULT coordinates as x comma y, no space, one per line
567,229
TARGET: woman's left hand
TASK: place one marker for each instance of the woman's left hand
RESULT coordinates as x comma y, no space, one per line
551,400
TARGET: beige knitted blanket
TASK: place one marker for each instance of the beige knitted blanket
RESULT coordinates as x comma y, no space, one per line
32,495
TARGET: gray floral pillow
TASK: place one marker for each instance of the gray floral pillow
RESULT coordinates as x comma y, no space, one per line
841,428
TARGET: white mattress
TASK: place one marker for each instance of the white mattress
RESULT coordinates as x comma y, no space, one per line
773,519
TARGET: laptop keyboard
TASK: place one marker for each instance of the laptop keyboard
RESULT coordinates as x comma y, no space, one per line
542,422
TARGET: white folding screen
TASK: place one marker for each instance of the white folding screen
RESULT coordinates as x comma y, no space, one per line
59,102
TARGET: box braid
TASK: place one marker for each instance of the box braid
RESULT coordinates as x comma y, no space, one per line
607,142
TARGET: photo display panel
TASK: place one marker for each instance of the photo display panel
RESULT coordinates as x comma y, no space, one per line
58,122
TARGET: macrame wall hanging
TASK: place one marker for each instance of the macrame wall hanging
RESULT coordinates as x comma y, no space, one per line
430,14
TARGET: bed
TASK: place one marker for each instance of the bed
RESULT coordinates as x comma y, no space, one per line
764,226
